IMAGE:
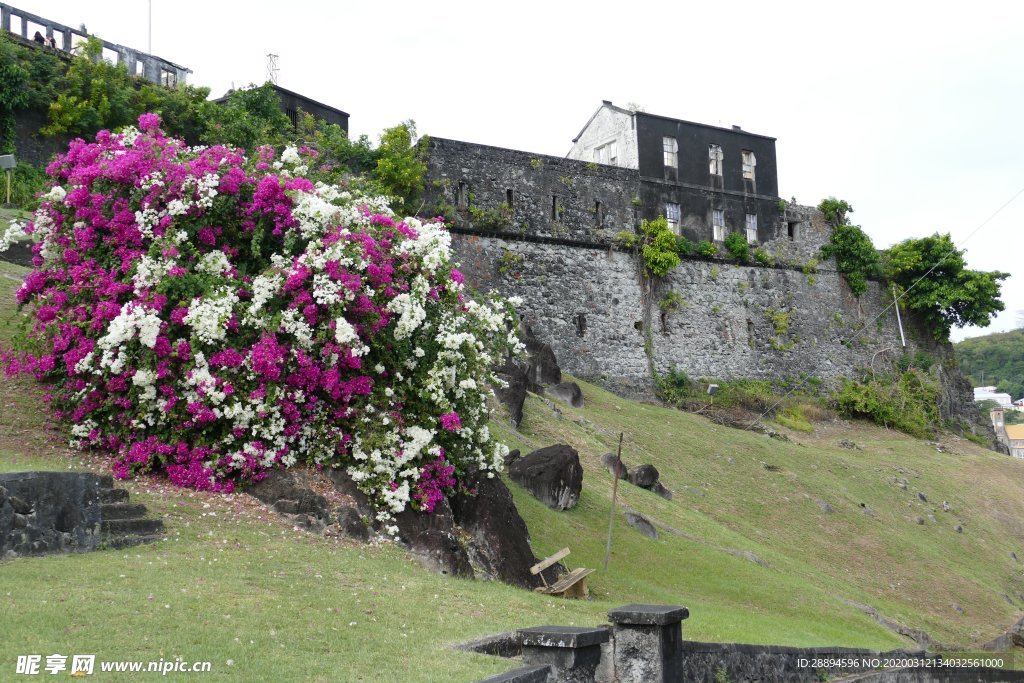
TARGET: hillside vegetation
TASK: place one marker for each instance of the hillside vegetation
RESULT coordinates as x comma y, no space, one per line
995,359
766,541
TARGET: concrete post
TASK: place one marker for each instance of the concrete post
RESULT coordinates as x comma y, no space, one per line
573,653
648,640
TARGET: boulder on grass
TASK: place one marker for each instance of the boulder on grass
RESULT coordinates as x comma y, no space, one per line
569,392
613,463
499,540
641,524
644,476
553,475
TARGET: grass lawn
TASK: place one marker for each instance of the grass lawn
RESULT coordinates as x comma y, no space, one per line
745,544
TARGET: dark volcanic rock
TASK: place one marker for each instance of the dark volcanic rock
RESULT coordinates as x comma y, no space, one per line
430,538
641,524
612,462
288,491
569,392
543,364
513,395
500,542
644,476
553,475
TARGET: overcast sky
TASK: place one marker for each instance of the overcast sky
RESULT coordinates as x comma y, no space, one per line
911,111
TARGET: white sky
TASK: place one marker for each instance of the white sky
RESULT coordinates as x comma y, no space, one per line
908,110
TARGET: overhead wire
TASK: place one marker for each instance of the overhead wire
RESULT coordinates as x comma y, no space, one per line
896,299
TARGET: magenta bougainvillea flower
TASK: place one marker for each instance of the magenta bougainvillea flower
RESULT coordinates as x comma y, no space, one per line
211,316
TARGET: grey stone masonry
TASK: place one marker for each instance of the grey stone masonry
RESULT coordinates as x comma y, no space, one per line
648,640
524,674
573,653
496,190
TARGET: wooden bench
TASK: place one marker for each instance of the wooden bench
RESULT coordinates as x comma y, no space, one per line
571,585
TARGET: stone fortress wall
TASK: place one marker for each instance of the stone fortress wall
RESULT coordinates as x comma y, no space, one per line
589,301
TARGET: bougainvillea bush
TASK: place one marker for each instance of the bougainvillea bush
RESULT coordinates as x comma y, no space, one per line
212,316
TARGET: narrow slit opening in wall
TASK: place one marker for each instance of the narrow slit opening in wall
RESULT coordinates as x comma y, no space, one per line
509,196
598,213
461,196
554,207
581,325
792,230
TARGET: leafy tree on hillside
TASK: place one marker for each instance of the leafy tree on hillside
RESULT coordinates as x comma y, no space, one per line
939,287
995,359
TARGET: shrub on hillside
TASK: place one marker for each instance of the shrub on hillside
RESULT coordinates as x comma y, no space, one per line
213,316
907,401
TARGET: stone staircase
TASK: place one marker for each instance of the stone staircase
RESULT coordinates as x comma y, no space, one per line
125,524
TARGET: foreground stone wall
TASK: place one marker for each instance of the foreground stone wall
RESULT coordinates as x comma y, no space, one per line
47,512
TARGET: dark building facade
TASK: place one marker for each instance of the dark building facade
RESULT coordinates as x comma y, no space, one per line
293,102
624,167
706,180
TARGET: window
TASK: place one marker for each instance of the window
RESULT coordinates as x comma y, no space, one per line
598,214
168,79
715,159
670,149
509,196
556,210
792,230
462,196
751,227
749,162
718,224
672,215
607,154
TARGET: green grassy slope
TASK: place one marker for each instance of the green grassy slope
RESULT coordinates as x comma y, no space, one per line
743,491
235,582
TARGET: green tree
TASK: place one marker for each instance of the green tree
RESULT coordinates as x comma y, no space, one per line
835,211
658,247
855,256
938,286
94,94
737,246
401,165
249,118
27,80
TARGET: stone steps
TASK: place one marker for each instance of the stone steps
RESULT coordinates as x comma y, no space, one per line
122,510
113,495
125,524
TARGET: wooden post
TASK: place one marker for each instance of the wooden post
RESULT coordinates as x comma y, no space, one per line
615,491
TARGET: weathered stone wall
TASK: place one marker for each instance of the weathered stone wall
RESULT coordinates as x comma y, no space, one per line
551,197
45,512
31,147
733,321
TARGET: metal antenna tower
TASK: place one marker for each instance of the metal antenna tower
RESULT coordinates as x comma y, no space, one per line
272,68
